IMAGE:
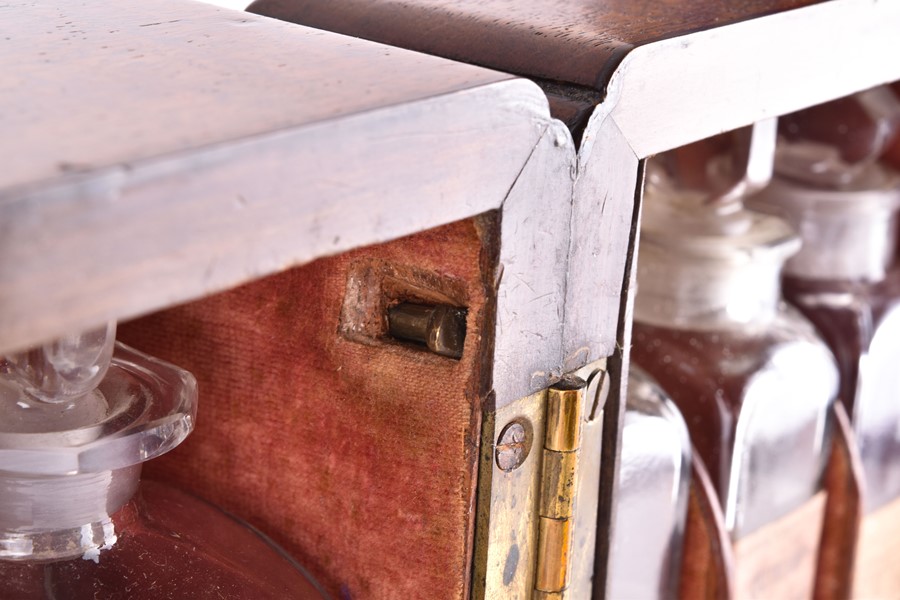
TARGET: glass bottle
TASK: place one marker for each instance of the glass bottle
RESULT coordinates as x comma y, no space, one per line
846,277
751,377
78,416
654,478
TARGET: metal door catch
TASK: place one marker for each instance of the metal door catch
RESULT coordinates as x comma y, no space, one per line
442,329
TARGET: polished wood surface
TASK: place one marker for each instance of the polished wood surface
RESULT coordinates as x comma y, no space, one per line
160,151
578,42
92,85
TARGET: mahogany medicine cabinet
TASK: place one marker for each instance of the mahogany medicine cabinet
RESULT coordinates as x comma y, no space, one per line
396,246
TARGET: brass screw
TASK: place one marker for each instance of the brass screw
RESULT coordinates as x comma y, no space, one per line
513,446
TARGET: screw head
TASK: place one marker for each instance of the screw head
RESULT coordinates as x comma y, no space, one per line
513,445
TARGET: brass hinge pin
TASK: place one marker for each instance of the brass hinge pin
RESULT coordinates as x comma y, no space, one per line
562,440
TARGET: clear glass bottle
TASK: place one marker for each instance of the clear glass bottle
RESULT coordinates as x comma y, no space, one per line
751,377
654,479
846,277
78,416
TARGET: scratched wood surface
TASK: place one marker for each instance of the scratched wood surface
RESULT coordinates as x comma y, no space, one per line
160,151
100,85
578,42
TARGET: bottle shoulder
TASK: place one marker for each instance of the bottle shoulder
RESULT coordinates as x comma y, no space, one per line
836,295
752,343
725,361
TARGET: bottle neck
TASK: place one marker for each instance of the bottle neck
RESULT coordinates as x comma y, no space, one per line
62,517
848,234
709,268
692,292
68,464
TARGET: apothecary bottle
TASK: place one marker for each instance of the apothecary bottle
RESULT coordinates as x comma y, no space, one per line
846,278
654,479
78,416
750,375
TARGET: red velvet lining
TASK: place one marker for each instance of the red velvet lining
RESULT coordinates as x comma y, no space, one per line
360,458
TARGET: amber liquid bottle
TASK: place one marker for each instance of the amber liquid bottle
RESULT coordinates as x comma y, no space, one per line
654,480
846,280
750,375
76,422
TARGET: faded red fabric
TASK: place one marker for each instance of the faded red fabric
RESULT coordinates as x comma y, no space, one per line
359,458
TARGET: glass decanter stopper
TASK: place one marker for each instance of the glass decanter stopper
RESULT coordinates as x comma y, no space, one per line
654,481
749,374
846,278
78,416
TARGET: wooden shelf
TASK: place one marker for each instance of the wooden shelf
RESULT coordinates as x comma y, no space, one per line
161,151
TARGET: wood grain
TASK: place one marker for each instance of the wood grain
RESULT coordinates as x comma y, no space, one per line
779,560
157,152
876,574
578,42
676,71
843,512
96,84
707,571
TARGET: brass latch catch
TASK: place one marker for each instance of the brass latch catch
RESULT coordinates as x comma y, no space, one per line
442,329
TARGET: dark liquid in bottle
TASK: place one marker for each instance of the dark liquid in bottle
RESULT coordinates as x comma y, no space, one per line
755,401
860,321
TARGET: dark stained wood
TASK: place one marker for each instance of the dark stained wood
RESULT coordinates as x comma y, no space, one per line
578,42
84,86
358,455
158,151
707,571
843,511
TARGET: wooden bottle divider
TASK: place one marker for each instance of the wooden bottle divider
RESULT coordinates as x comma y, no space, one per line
843,511
707,568
772,562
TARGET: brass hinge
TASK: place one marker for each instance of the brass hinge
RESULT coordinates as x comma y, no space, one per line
562,441
538,492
